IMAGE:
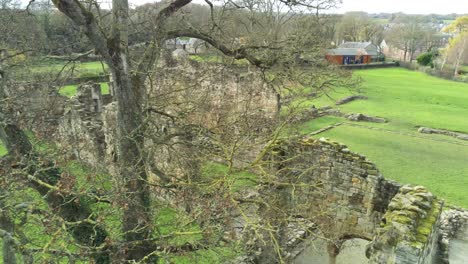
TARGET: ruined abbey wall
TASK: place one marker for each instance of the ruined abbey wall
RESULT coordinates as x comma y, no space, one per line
351,195
352,200
214,96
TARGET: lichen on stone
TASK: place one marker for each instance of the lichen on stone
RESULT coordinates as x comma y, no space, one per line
407,224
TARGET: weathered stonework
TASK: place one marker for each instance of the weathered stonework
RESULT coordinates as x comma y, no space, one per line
81,128
451,227
213,96
427,130
348,185
35,107
366,118
408,234
401,222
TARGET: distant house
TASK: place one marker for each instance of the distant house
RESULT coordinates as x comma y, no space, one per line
191,45
353,53
177,43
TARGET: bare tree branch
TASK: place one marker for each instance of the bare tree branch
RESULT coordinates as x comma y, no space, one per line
240,53
87,21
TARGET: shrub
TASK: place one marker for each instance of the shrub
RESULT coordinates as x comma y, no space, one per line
426,59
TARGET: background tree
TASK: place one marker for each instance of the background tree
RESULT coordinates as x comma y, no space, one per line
456,51
409,34
358,26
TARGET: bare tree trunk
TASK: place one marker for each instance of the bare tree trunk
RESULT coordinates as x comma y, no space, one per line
444,61
405,53
137,224
459,57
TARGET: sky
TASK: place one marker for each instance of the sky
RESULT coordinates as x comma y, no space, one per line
406,6
376,6
391,6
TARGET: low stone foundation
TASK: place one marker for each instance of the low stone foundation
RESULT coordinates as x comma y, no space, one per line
350,99
366,118
427,130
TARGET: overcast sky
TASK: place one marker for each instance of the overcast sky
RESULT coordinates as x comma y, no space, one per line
392,6
406,6
378,6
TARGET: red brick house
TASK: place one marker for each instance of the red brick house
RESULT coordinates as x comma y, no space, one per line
353,53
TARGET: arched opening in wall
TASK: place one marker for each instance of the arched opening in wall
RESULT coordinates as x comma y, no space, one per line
458,245
349,249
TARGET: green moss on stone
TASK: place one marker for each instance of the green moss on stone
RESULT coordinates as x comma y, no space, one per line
425,225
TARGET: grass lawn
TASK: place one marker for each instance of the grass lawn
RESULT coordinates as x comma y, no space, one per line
56,66
3,150
70,90
381,21
40,68
408,99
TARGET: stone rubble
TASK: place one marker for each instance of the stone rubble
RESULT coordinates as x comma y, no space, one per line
350,99
458,135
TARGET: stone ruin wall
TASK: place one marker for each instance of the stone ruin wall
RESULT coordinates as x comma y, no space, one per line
349,186
355,194
214,96
409,230
454,225
355,201
229,104
81,131
35,107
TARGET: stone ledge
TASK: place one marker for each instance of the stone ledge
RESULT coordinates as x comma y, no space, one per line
408,227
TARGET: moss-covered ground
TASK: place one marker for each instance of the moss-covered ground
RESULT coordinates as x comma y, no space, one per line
3,150
173,227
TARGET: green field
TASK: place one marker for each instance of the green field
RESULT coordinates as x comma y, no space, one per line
37,69
407,99
3,150
70,90
57,66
